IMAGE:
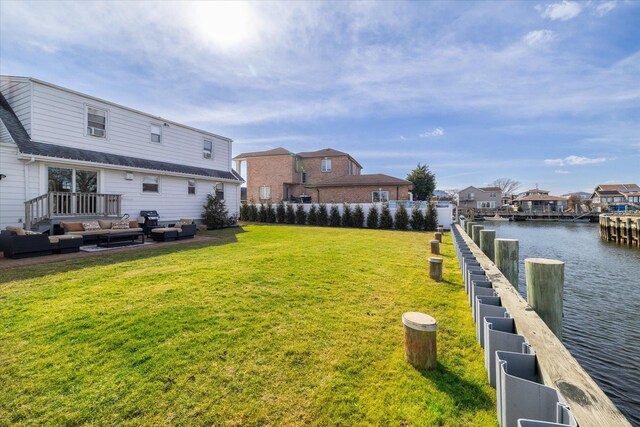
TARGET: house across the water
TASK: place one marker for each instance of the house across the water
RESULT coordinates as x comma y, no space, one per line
616,197
536,200
65,154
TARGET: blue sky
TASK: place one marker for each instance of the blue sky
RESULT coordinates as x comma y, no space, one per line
546,93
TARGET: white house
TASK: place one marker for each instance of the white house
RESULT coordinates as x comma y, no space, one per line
66,154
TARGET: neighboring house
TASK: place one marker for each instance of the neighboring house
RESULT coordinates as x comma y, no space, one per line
536,200
442,196
323,176
480,198
617,197
582,195
66,154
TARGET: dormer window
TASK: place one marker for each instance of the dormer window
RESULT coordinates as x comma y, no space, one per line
96,122
207,149
326,165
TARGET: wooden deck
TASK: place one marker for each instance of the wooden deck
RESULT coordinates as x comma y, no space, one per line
621,228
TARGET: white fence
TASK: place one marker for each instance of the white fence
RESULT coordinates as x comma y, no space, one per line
446,211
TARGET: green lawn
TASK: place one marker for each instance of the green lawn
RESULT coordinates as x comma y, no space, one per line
270,325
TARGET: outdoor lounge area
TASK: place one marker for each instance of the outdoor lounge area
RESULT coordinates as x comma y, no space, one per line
265,324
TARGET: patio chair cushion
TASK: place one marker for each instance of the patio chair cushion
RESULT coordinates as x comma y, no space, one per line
105,224
133,224
54,239
18,230
72,226
182,222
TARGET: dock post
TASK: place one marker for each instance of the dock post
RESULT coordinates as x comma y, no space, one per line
438,236
475,233
420,340
435,268
435,247
506,252
440,229
545,285
468,226
487,238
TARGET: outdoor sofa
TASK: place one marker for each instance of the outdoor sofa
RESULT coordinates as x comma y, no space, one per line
90,230
183,229
16,242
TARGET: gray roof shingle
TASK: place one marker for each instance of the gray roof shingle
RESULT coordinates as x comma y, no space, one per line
367,179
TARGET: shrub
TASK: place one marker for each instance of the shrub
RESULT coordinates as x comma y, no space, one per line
280,212
244,212
372,217
386,220
358,217
313,215
301,215
431,219
214,212
253,213
323,216
271,213
291,214
334,216
402,217
417,219
347,216
262,213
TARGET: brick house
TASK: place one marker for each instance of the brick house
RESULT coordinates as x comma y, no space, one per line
323,176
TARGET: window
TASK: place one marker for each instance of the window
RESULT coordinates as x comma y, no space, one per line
486,205
379,196
207,149
96,122
304,177
492,194
191,186
219,190
470,196
350,167
156,133
265,192
150,184
326,165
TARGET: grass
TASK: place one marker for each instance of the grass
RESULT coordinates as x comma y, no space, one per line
269,325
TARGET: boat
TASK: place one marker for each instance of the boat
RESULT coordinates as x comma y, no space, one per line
496,217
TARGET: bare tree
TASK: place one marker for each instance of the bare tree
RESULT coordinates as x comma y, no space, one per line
507,185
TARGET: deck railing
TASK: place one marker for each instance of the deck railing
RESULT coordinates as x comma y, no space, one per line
61,204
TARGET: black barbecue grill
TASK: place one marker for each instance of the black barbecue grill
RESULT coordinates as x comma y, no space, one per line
150,221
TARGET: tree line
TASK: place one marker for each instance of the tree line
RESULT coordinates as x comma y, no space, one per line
354,216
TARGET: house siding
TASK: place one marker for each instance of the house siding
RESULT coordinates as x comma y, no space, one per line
339,167
356,194
479,196
59,118
17,92
11,187
270,171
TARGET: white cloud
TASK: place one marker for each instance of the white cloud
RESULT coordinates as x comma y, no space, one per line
561,172
563,11
574,161
539,37
432,133
604,8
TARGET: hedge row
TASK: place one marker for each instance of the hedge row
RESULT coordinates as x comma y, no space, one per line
350,217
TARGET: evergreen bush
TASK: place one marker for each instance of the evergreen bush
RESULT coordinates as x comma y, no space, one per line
323,215
291,214
358,217
301,215
313,215
372,217
402,217
244,212
386,219
280,212
262,213
417,219
214,212
347,216
253,213
334,216
431,219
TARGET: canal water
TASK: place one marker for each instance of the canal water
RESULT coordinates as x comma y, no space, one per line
601,301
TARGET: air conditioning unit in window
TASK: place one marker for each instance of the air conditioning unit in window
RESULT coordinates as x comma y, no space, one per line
96,131
207,154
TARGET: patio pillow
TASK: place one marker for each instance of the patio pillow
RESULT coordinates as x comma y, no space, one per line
18,230
72,226
91,226
105,224
120,225
133,224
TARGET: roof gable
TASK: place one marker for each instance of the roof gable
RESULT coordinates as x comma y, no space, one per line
274,152
12,123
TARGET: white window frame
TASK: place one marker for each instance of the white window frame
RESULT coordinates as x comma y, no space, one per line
383,196
326,165
265,192
207,154
158,184
189,187
151,133
86,121
218,188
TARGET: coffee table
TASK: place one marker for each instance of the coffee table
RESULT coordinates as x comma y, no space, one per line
120,239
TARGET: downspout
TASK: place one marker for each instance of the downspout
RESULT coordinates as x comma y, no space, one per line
397,192
318,190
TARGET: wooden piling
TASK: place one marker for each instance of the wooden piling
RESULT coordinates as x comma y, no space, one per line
440,229
435,268
438,236
506,253
475,233
545,285
487,244
468,226
420,332
435,247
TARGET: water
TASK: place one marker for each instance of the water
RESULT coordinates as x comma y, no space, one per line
601,301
